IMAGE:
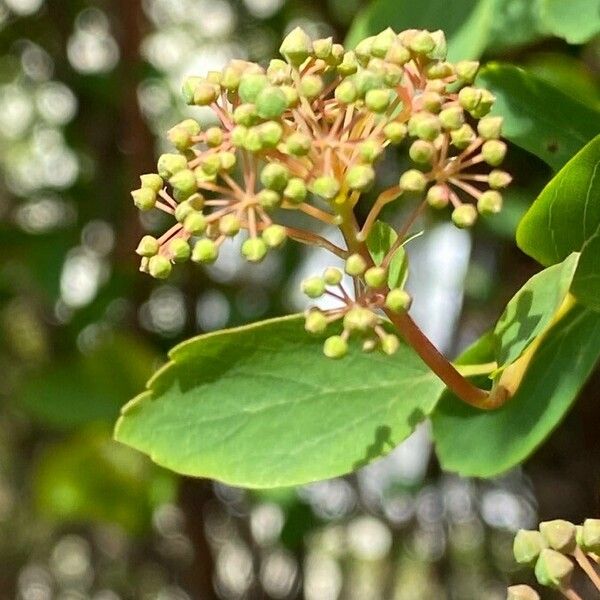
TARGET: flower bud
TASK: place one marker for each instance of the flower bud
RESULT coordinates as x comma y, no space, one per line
485,104
296,47
336,56
159,266
589,538
275,176
422,43
360,177
438,196
268,199
366,80
355,265
326,186
205,251
432,101
188,88
238,135
452,117
464,216
227,160
398,54
205,93
271,103
392,75
369,151
552,569
375,277
315,321
295,190
383,42
463,136
390,344
466,70
398,300
193,204
181,135
279,72
360,319
252,141
311,86
438,70
395,132
493,152
245,114
345,92
522,592
559,535
214,136
322,48
194,223
413,181
441,45
254,249
499,179
363,49
152,181
274,235
251,85
291,95
428,127
332,276
169,164
210,164
335,347
422,152
298,144
231,78
184,184
270,133
349,64
144,198
229,225
489,203
313,287
527,546
148,246
378,100
469,98
490,128
179,249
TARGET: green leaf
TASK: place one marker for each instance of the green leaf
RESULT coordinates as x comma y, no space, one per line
538,117
260,406
577,21
398,269
532,309
467,24
480,443
380,240
565,218
516,23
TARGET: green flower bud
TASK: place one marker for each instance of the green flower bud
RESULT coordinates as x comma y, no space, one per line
298,144
148,246
326,186
229,225
335,347
527,546
375,277
383,42
214,77
322,48
422,152
439,70
489,203
427,127
275,176
188,88
559,535
296,47
144,198
552,569
390,344
252,141
367,80
251,85
413,181
522,592
337,55
422,43
466,70
205,93
469,98
452,117
184,183
499,179
360,177
432,101
245,114
360,319
295,190
332,276
268,199
214,136
464,216
227,160
463,136
493,152
398,300
194,223
363,49
378,100
355,265
438,196
169,164
345,92
392,75
231,78
369,151
441,45
179,250
490,128
159,266
270,133
238,135
589,536
210,164
313,287
254,250
485,104
291,95
398,54
181,135
274,235
279,72
311,86
315,321
271,103
349,64
152,181
183,210
205,251
395,132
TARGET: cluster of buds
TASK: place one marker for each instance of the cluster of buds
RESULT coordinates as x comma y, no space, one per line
305,134
553,551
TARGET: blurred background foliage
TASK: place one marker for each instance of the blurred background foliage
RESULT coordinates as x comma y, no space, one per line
87,87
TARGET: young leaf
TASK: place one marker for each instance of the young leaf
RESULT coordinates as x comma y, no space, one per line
486,443
538,117
565,218
398,269
577,21
516,23
380,240
260,406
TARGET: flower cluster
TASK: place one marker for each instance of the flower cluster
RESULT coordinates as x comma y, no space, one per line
553,551
305,134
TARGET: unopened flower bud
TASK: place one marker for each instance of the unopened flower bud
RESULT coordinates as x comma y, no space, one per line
360,319
298,144
227,160
188,88
367,80
363,49
279,72
205,251
313,287
346,92
152,181
422,43
311,86
326,186
179,249
245,114
194,223
144,198
499,179
466,70
559,535
553,569
489,203
392,75
214,136
148,246
493,152
275,176
438,196
296,47
349,64
398,300
432,101
169,164
274,235
238,135
291,95
335,347
527,546
428,127
268,199
193,204
438,70
589,536
369,151
159,266
332,276
322,48
229,225
413,181
422,152
469,98
355,265
254,249
463,136
490,128
184,184
231,78
398,54
452,117
271,103
181,135
378,100
360,177
390,344
522,592
295,190
395,132
270,133
205,93
464,216
252,141
375,277
251,85
315,321
485,104
383,42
